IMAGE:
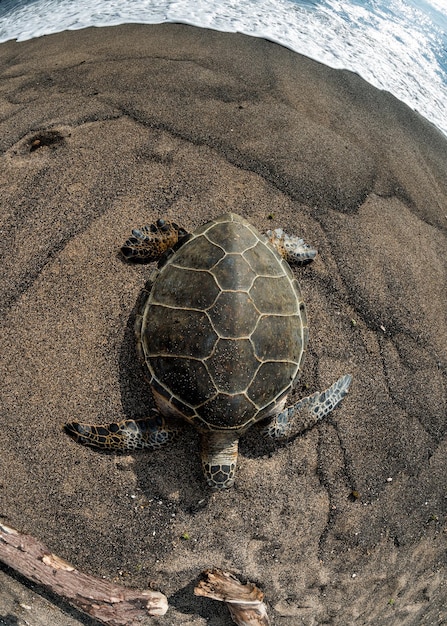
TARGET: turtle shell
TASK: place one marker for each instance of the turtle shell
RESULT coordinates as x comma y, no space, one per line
223,329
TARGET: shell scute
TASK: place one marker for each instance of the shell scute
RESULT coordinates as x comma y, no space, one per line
286,267
233,314
178,332
188,378
233,272
263,260
187,288
182,409
278,338
274,295
228,411
199,253
271,378
225,365
232,239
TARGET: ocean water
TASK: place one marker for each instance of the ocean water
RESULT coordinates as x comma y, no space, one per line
396,45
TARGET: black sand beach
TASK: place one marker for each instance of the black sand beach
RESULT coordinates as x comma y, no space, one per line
106,129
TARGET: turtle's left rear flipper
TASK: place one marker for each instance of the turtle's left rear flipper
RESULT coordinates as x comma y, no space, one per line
152,433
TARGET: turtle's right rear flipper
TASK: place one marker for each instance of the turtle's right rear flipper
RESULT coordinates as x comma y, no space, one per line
303,415
149,243
139,434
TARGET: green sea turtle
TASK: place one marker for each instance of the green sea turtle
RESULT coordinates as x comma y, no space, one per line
222,331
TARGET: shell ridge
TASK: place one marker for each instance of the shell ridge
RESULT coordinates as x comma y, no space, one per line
204,234
178,308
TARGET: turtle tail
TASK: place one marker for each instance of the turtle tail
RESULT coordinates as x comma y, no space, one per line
219,458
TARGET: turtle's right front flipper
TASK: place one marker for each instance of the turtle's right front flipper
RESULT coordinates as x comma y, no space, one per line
290,247
152,433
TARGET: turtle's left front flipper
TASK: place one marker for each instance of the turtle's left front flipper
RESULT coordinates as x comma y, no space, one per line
149,243
308,411
152,433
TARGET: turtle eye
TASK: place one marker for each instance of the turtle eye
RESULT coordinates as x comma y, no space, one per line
160,223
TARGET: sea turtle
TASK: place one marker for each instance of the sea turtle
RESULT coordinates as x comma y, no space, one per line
222,331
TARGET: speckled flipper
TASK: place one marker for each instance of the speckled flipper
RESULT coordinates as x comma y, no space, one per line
149,243
219,458
152,433
308,411
290,247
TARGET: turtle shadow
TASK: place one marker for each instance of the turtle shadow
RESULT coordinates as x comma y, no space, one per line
255,445
9,620
136,397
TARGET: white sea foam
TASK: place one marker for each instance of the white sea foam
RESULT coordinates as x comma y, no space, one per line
397,45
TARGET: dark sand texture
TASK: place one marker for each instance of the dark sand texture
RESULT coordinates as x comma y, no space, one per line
105,129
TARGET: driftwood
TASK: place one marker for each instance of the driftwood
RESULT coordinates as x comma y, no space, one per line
107,602
113,604
243,601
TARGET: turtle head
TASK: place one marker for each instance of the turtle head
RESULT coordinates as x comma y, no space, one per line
219,458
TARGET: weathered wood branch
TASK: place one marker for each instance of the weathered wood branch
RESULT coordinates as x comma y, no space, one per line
107,602
243,601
